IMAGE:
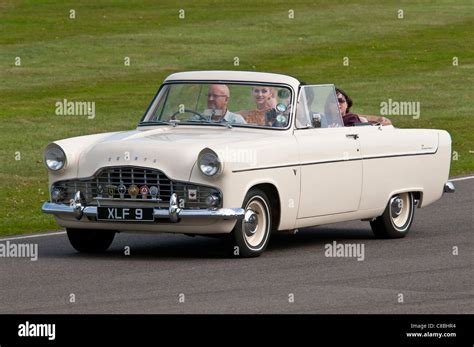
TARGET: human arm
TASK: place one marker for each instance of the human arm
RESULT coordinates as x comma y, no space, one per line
376,119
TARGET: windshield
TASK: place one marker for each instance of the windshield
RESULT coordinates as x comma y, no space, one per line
253,105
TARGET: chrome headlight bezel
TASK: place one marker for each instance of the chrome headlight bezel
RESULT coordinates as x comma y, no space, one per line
209,163
54,158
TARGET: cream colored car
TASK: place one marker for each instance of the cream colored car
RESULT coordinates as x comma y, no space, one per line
243,154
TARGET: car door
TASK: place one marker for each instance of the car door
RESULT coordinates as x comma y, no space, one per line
329,155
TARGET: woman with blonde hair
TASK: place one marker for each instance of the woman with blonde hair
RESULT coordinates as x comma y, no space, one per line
265,100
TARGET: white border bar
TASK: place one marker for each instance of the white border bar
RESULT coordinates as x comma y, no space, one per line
33,236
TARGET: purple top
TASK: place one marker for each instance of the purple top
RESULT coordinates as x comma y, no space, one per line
350,119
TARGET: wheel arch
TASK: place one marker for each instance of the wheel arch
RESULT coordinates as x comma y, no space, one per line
416,191
275,205
418,195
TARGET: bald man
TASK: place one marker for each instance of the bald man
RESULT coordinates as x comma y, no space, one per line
217,100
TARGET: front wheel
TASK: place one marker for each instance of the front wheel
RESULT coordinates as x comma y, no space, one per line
90,241
396,220
250,235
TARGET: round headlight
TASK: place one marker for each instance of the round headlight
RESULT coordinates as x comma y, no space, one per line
209,163
54,158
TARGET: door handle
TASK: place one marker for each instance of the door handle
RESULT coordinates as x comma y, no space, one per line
354,136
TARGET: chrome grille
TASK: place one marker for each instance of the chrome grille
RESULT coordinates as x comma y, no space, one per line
132,176
194,195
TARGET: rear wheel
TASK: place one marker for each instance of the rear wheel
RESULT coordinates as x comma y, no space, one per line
397,218
90,241
250,235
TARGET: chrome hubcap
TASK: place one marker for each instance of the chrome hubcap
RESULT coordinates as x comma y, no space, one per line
250,223
396,206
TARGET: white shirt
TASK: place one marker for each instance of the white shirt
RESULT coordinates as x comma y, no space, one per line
234,118
229,117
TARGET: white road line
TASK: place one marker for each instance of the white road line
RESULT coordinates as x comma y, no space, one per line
32,236
461,178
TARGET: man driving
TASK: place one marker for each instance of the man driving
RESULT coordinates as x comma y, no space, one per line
217,100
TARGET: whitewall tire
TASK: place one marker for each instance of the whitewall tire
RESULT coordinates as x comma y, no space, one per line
397,218
250,235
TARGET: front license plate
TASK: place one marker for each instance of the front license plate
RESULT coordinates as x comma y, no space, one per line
125,214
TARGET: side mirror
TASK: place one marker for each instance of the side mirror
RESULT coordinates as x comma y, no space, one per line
316,120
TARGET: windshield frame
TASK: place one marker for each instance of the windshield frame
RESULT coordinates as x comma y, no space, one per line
300,92
156,98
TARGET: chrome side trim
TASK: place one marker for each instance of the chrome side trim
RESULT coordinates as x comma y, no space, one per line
449,187
333,161
91,211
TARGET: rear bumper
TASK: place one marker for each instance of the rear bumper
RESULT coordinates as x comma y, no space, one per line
449,187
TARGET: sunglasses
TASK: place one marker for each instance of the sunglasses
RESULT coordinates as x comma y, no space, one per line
341,100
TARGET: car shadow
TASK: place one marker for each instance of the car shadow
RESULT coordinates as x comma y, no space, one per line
317,236
145,247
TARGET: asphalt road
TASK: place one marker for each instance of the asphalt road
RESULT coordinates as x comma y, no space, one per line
181,274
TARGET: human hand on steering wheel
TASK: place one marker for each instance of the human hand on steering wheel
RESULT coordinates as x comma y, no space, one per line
186,110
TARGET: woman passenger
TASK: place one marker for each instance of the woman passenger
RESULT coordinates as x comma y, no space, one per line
265,99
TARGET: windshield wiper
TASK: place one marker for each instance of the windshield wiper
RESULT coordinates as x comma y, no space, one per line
172,123
203,121
223,124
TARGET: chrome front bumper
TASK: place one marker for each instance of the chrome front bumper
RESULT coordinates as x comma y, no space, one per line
78,209
91,211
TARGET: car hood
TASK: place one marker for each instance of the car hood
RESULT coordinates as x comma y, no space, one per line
172,150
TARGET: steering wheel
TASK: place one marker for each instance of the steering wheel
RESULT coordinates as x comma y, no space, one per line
201,117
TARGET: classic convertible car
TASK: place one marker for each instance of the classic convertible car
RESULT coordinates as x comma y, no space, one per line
242,154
